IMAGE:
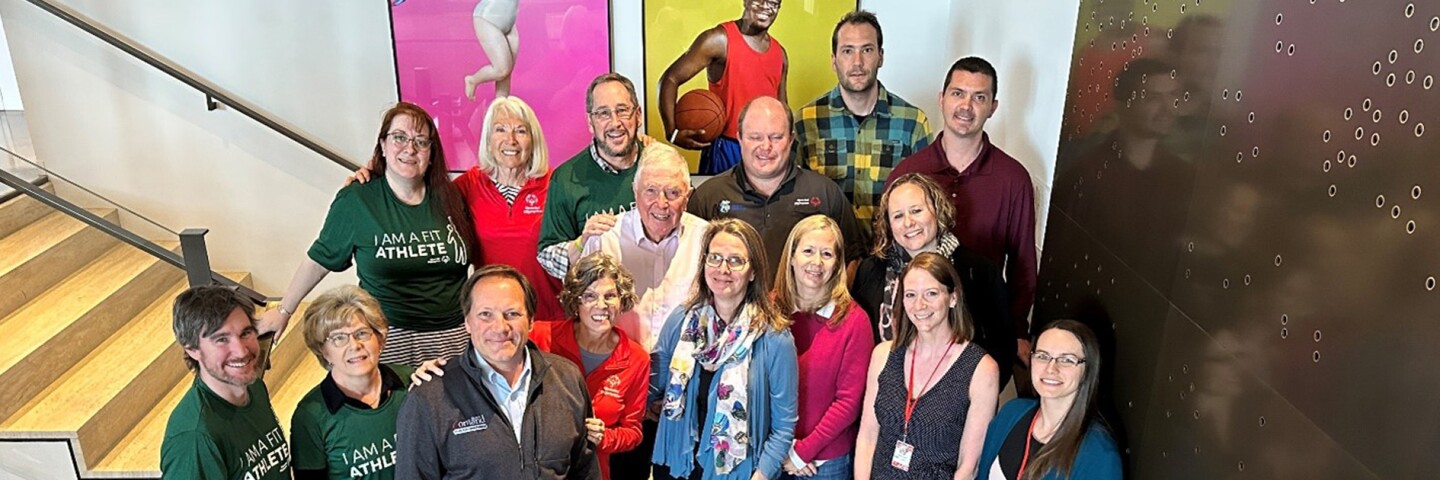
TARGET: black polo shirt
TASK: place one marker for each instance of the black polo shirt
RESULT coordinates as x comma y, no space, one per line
802,194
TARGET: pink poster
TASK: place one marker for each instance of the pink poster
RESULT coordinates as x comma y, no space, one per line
453,56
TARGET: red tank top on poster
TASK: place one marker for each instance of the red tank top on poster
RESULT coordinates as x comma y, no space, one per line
748,74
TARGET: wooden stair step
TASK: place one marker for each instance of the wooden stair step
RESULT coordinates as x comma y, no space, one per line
35,257
50,334
302,379
23,210
109,391
139,451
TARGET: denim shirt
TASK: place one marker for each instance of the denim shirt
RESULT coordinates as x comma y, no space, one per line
773,400
512,399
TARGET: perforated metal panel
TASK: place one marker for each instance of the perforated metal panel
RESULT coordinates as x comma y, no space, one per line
1245,204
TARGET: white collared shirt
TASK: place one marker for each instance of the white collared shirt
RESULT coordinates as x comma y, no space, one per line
512,398
665,272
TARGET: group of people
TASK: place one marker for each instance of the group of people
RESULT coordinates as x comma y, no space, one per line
606,319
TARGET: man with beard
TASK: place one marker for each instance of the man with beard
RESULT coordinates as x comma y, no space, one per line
223,427
741,62
859,131
992,193
591,188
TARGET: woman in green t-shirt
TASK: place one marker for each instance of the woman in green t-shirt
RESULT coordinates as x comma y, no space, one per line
345,427
409,236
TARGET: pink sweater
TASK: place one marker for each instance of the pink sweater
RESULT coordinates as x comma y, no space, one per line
833,363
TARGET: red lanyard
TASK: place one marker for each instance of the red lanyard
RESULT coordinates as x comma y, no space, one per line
1029,434
910,398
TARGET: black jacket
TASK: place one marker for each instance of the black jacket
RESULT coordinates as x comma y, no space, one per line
454,427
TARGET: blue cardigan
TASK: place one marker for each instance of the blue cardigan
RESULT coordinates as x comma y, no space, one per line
774,394
1098,457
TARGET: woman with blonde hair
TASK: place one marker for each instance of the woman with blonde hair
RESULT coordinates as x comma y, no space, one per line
832,340
724,372
354,408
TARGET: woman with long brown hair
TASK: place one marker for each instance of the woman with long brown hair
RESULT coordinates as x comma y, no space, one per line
409,237
1057,437
930,392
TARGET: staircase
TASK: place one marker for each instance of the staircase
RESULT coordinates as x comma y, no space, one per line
87,356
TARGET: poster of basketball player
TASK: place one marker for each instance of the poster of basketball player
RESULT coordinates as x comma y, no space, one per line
738,49
453,57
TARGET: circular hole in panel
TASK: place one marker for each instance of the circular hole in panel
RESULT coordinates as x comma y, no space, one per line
1317,336
1182,395
1350,161
1222,130
1359,133
1428,82
1284,319
1238,94
1409,10
1187,273
1169,34
1255,152
1380,201
1315,357
1279,45
1410,227
1247,279
1415,192
1394,55
1390,80
1365,105
1252,114
1430,283
1404,117
1196,414
1190,246
1326,166
1331,192
1279,17
1375,116
1225,283
1185,368
1290,50
1409,77
1284,333
1176,104
1182,8
1375,139
1349,113
1395,211
1374,69
1239,157
1241,465
1419,129
1325,136
1435,24
1278,260
1164,454
1262,421
1225,94
1419,45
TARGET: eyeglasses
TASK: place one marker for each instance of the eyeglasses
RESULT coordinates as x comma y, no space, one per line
605,114
399,139
591,298
1041,357
342,339
653,192
736,264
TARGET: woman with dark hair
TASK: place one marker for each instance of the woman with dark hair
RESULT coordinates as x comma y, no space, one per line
832,339
931,391
1057,437
914,217
725,372
617,369
409,237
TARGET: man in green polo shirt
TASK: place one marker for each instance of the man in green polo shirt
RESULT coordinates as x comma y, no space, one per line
223,427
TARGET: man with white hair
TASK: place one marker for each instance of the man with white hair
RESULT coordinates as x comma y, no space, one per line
657,241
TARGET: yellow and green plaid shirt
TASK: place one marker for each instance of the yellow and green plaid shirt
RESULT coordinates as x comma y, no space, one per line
859,156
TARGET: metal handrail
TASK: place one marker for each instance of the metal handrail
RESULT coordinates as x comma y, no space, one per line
212,94
83,215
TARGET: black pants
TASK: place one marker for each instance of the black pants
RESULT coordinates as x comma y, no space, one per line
635,464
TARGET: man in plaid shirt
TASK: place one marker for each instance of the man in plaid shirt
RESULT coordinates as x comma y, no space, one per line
857,132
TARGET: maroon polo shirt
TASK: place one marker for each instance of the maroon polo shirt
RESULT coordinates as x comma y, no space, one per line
994,213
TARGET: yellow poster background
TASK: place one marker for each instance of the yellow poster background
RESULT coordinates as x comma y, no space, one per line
803,27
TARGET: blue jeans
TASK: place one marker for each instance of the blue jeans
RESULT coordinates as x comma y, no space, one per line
722,154
838,468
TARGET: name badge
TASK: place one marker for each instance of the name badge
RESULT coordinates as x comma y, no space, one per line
901,459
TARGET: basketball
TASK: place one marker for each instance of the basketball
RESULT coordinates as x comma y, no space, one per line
701,109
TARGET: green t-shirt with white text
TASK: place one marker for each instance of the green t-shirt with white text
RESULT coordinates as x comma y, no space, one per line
348,442
209,438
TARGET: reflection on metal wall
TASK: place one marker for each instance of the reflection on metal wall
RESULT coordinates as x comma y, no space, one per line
1244,204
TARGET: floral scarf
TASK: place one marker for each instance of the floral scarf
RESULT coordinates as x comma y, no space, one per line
895,264
715,344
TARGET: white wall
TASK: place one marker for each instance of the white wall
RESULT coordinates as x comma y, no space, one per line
146,141
9,87
1028,41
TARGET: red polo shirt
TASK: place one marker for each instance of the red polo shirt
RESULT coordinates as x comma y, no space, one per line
994,213
509,234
